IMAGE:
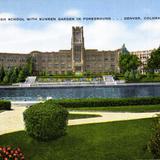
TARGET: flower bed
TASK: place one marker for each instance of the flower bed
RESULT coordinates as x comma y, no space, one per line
8,153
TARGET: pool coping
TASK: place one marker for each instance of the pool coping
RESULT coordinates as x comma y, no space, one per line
83,85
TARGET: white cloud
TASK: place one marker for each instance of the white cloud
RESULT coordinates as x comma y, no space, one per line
51,38
102,35
148,34
153,26
6,15
73,13
105,35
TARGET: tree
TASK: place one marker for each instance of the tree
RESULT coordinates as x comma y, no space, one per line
17,70
132,75
29,66
14,76
2,73
10,72
21,76
126,75
137,76
153,62
128,62
6,77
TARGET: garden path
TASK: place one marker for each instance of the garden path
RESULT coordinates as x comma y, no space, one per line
11,121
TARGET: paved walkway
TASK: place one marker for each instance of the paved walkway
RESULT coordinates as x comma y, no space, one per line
11,121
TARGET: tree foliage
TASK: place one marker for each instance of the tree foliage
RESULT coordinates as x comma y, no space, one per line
153,62
2,73
21,76
17,74
128,62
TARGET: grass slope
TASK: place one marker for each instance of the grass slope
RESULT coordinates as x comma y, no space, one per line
140,108
106,141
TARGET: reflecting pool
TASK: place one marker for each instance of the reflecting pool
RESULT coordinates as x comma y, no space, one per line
33,94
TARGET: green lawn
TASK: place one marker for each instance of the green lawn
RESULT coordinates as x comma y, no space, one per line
79,116
1,111
140,108
125,140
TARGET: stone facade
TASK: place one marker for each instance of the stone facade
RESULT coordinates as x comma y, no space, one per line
78,59
9,60
143,56
53,62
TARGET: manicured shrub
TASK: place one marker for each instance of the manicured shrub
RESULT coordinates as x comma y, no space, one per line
45,121
154,144
8,153
5,105
104,102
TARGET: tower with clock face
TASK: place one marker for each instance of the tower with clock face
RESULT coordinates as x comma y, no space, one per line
77,49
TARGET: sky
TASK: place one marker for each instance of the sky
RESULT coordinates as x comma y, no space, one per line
26,36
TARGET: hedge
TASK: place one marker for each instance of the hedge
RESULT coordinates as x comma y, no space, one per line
154,143
104,102
44,121
5,105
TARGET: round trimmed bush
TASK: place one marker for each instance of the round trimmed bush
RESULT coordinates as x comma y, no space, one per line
45,121
5,105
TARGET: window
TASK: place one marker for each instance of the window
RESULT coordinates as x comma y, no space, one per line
77,48
112,59
106,59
